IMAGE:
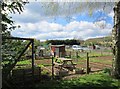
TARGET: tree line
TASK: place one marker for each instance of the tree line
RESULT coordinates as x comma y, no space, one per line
65,42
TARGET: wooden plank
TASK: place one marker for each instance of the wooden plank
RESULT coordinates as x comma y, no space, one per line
17,38
59,64
65,59
23,51
17,72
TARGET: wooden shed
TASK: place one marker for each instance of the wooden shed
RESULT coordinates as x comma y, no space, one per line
58,50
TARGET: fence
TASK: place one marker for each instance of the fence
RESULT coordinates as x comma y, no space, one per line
94,59
25,75
92,53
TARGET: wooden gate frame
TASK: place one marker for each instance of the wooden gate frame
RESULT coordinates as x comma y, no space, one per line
18,59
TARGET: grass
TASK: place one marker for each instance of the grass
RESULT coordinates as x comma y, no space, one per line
100,61
93,53
93,57
92,81
24,62
99,53
44,65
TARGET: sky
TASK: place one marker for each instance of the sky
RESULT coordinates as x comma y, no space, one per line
67,23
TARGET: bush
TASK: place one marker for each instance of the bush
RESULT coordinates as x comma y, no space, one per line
107,70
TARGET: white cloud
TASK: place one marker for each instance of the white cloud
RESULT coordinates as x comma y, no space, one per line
111,14
34,11
35,24
44,30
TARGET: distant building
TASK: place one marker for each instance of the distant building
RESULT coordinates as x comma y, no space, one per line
58,50
40,51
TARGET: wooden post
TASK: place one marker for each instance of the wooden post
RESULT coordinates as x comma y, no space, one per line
52,67
60,54
33,58
54,54
76,56
101,53
70,54
40,73
87,64
24,76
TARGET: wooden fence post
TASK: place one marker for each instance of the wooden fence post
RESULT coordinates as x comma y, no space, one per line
70,54
24,76
77,56
54,54
33,59
52,67
87,64
101,53
40,73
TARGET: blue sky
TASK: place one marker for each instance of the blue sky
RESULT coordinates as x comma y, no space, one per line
35,23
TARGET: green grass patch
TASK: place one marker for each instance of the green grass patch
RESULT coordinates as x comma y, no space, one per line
44,65
47,64
91,54
91,81
100,61
24,62
41,65
5,62
98,54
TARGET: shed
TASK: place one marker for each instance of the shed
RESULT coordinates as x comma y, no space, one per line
58,50
40,51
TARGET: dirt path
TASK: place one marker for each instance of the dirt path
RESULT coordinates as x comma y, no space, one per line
45,61
105,57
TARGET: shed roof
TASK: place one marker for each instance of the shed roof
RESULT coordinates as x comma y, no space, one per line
58,45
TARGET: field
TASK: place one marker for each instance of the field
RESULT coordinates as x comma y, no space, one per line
96,63
98,60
